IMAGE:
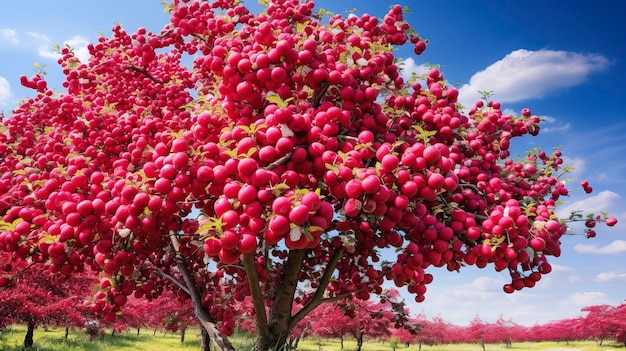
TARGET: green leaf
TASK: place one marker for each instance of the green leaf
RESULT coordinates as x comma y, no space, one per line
300,26
424,135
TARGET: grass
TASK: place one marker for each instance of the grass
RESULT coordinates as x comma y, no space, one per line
11,339
334,345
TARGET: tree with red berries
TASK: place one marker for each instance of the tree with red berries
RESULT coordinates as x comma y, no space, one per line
35,297
604,322
431,332
359,319
294,134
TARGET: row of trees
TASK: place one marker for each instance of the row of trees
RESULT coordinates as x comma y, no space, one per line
380,321
40,298
36,297
602,322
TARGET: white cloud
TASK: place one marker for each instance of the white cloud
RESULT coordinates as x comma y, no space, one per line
5,91
610,277
559,275
9,35
585,299
578,166
616,247
525,74
561,268
551,124
77,43
510,112
558,128
593,204
574,279
409,66
39,36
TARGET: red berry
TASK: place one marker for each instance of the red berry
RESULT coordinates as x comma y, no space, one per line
281,205
537,244
299,215
247,244
212,246
611,221
311,200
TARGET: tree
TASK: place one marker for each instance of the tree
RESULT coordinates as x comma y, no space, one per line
38,297
501,332
604,322
295,134
431,332
568,329
477,331
620,318
359,319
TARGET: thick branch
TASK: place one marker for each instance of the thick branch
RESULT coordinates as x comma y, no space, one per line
205,318
257,297
318,297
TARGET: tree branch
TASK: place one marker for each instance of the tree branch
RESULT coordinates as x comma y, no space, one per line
318,297
279,162
145,73
208,323
319,94
173,280
339,297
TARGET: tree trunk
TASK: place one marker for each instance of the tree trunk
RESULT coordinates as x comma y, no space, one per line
67,332
154,333
341,340
182,336
419,345
138,331
359,342
28,339
482,343
273,335
205,341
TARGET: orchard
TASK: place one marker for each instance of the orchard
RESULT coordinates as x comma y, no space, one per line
274,155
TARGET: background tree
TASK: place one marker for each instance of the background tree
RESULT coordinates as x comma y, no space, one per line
500,332
358,319
34,296
431,332
477,330
295,134
568,329
620,318
604,322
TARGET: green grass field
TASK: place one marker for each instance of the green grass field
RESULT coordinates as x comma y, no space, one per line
11,339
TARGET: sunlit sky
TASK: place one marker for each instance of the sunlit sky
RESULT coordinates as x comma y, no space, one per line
564,60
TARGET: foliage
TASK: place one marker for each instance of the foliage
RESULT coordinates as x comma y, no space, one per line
304,149
39,297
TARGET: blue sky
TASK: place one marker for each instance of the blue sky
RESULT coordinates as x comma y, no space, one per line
565,61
